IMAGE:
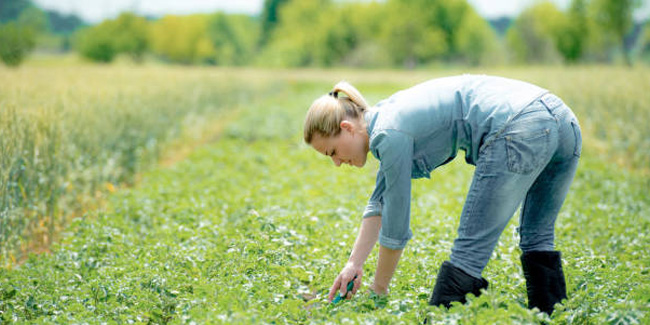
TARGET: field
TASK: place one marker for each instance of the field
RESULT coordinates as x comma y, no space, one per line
230,218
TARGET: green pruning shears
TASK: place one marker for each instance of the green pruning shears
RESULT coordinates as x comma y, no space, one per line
350,287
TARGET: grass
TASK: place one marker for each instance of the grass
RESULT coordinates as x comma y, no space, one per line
254,227
70,135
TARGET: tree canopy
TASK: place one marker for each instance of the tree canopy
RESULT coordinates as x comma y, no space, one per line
391,33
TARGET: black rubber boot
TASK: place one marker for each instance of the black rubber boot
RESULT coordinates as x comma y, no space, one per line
453,284
544,279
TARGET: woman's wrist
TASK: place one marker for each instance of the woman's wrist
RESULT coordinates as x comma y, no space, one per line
378,289
355,264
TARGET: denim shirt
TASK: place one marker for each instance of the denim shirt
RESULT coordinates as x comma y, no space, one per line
418,129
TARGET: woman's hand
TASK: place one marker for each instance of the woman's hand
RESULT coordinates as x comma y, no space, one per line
341,282
362,246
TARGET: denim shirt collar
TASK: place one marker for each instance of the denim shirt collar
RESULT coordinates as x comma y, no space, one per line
370,117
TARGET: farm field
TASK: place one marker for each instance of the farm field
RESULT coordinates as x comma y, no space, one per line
252,226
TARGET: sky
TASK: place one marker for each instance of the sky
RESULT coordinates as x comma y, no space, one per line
97,10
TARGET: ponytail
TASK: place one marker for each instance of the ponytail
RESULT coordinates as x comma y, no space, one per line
327,112
352,93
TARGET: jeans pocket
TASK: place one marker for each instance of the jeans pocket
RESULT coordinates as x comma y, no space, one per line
577,151
526,154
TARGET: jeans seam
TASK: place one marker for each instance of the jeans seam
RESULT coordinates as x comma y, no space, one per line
472,199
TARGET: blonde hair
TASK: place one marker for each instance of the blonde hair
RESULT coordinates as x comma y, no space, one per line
326,113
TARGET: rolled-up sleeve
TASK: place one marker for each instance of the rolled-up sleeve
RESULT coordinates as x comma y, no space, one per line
396,151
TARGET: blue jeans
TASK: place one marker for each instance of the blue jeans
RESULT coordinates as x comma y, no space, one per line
531,161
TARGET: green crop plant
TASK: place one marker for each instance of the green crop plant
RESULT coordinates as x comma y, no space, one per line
254,227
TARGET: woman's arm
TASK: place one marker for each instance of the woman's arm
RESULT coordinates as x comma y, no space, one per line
363,245
386,265
366,240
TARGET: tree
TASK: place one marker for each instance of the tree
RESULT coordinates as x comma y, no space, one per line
409,36
645,41
183,39
364,47
269,18
130,35
615,17
63,24
399,32
15,42
534,35
475,41
335,38
11,9
233,38
572,41
295,40
449,16
18,37
34,19
96,43
418,31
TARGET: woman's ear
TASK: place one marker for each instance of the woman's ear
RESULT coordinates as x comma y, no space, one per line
347,125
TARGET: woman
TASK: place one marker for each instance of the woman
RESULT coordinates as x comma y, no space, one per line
525,144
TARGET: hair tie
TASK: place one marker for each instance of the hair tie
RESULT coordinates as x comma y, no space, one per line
334,94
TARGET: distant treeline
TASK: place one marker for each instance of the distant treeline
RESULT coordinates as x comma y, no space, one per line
391,33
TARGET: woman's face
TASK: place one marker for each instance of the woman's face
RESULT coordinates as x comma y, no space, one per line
348,147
